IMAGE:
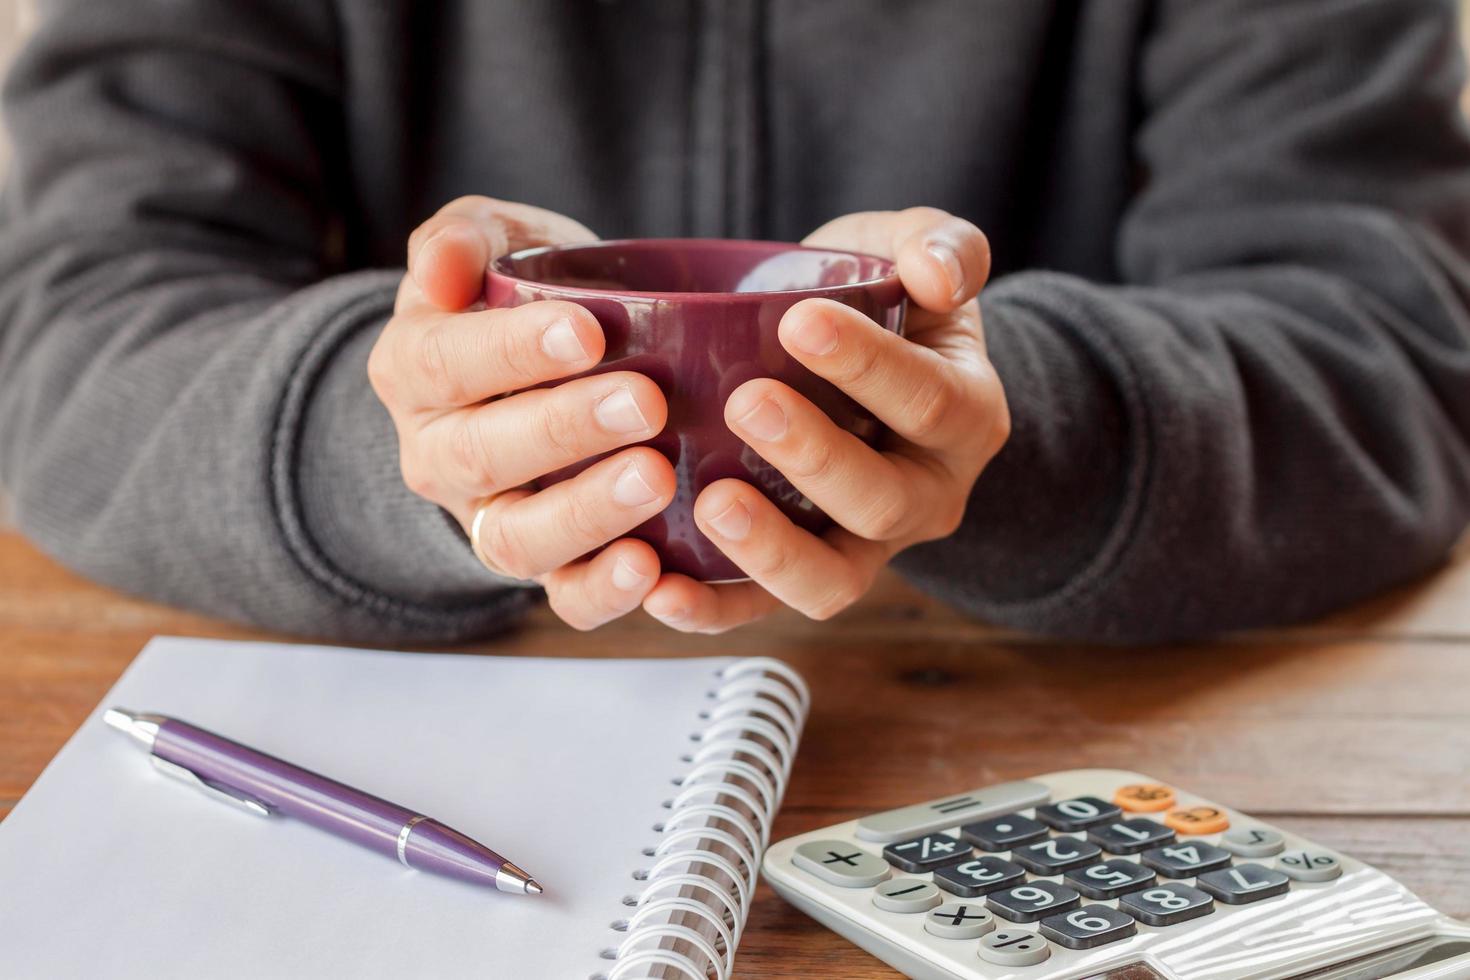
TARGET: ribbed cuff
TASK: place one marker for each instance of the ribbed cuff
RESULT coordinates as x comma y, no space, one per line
404,553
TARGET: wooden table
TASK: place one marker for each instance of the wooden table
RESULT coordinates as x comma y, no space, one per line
1354,731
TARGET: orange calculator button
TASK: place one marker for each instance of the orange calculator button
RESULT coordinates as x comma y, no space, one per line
1197,820
1144,797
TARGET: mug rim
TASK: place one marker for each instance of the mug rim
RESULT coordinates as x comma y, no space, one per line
498,269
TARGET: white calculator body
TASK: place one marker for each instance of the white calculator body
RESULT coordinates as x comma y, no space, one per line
1097,874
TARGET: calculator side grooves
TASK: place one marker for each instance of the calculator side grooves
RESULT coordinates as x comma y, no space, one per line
699,874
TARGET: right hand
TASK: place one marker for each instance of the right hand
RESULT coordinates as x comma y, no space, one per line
440,366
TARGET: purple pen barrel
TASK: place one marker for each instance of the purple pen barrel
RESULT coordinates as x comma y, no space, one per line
264,783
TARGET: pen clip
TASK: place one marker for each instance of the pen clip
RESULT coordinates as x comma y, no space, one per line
219,791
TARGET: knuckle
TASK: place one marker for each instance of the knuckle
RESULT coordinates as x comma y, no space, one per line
559,433
933,404
861,364
775,563
418,478
380,370
884,519
585,519
471,455
502,544
834,601
816,462
436,366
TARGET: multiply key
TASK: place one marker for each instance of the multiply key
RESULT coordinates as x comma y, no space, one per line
926,853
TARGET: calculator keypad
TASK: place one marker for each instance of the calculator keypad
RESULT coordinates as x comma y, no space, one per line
1167,904
1032,901
1055,855
1088,927
971,879
1044,869
1110,879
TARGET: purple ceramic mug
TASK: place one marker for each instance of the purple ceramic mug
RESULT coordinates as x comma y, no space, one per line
699,318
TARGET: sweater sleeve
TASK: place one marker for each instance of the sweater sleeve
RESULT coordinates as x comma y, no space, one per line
1269,415
184,411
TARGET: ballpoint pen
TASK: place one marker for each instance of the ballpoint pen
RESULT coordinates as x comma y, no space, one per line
265,785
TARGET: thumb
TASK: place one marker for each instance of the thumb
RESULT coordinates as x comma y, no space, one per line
448,254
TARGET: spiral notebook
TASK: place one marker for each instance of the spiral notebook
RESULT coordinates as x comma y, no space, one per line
640,793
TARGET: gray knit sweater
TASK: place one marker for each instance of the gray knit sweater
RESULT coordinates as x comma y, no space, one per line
1232,244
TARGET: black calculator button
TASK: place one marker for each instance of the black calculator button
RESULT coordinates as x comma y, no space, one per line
971,879
1088,927
1076,814
1244,883
925,853
1032,901
1129,836
1055,855
1167,904
1003,832
1185,860
1110,878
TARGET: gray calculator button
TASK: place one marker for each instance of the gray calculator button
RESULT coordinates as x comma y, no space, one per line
1056,855
1033,900
911,821
926,853
1088,927
1014,947
1309,865
1186,858
971,879
1244,883
906,895
841,863
1130,836
1253,842
1167,904
958,920
1110,879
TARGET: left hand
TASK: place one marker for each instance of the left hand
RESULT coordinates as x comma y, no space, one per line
936,391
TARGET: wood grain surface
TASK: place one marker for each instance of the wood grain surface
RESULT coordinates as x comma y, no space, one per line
1354,731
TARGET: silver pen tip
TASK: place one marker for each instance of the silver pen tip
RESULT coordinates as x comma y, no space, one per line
119,718
532,888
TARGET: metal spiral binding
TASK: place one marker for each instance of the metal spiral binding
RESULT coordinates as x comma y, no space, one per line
687,920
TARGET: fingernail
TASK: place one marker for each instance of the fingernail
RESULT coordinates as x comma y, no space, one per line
733,522
631,490
560,342
815,335
949,260
619,412
626,577
424,251
766,421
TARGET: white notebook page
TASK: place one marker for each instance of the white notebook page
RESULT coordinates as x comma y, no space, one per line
108,867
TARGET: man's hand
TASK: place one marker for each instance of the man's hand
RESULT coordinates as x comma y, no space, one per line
936,391
440,367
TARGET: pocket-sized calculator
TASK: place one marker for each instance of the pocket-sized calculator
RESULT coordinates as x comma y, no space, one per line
1098,874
